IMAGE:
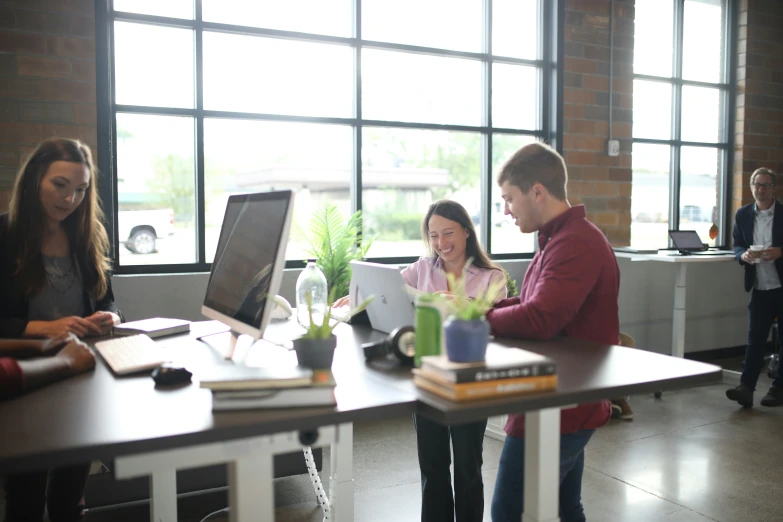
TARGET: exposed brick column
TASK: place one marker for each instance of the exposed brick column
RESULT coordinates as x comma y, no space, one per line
47,78
759,116
602,183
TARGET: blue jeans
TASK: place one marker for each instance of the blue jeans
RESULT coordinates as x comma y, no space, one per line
508,501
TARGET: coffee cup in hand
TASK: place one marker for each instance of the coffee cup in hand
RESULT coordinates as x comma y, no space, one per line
755,251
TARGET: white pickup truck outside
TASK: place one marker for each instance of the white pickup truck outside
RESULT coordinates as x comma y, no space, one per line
139,230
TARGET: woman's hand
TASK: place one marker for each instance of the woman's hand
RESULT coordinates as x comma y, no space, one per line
104,320
343,301
73,324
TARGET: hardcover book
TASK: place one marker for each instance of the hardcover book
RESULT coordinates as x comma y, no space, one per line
500,363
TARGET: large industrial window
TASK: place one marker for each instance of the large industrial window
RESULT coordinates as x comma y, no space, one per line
681,133
383,106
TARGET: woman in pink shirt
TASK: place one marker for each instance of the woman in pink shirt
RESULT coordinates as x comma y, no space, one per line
451,239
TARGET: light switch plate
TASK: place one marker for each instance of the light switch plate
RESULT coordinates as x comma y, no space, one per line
613,147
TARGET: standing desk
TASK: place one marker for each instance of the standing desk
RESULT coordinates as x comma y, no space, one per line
682,262
142,431
153,432
587,372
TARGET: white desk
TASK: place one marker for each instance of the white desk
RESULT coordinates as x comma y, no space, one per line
680,280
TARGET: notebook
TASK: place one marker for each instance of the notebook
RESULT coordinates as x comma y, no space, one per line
154,327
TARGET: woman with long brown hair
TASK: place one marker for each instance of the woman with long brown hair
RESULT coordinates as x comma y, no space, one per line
54,280
54,267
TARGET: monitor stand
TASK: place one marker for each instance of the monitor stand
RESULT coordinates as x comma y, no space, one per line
229,350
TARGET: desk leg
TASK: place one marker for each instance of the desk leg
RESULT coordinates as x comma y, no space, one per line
251,493
542,466
341,458
163,496
678,321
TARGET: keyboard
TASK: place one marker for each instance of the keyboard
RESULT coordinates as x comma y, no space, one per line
131,354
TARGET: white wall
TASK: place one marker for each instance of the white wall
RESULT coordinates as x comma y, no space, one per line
716,301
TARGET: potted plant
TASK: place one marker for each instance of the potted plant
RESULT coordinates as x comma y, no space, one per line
466,329
315,348
334,243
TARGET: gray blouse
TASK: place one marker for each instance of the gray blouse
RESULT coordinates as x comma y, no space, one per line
63,295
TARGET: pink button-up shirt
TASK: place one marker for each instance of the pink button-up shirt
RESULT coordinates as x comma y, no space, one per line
427,275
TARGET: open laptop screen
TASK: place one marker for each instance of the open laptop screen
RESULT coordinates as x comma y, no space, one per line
686,240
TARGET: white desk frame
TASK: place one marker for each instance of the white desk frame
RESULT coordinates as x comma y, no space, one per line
250,472
680,280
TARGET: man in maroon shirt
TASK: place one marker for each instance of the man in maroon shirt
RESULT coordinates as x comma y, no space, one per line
570,289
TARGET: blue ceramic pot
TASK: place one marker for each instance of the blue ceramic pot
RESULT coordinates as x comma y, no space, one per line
315,353
466,341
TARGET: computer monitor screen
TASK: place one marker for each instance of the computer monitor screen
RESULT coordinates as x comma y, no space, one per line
686,240
249,260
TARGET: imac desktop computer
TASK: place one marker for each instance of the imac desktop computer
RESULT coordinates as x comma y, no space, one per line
249,261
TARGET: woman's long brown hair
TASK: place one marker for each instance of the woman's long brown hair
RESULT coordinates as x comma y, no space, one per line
87,237
453,211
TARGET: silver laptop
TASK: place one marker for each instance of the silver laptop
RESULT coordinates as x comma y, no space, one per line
393,305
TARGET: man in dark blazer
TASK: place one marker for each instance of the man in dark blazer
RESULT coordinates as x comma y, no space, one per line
760,225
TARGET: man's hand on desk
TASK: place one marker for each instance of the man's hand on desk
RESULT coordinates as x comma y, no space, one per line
77,356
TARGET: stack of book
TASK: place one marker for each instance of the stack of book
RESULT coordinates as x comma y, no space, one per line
505,371
236,387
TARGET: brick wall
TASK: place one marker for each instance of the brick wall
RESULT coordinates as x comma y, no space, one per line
47,78
601,182
759,121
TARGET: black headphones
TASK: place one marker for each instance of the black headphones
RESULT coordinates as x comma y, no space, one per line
401,342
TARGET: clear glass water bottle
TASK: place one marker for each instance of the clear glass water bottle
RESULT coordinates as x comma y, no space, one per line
311,281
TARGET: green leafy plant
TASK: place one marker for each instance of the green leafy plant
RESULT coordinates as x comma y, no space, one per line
511,286
466,308
334,243
324,330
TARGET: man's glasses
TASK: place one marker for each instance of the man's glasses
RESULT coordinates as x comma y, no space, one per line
762,185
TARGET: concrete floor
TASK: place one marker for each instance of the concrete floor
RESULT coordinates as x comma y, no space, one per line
691,456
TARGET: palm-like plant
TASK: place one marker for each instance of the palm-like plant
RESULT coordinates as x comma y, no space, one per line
334,243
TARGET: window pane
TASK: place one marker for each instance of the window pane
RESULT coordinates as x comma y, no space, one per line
286,76
515,97
414,22
403,171
506,238
242,156
652,110
420,88
153,65
156,189
329,17
515,28
650,196
700,114
699,167
170,8
653,37
703,45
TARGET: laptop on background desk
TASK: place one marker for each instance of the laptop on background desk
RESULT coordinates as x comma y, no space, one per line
688,242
